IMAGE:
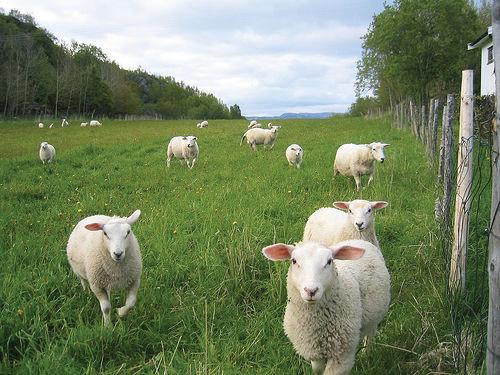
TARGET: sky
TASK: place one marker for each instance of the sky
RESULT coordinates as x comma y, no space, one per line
269,57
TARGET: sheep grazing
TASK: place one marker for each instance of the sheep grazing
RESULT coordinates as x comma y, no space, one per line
40,125
184,148
103,251
294,154
64,123
324,315
252,123
330,225
95,123
264,137
83,124
203,124
356,160
47,152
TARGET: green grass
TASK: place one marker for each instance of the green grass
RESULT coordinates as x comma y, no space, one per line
209,301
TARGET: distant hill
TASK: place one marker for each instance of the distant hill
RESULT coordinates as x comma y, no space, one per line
289,115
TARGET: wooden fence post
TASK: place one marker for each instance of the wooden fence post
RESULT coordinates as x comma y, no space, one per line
433,131
441,144
447,161
464,185
493,342
421,134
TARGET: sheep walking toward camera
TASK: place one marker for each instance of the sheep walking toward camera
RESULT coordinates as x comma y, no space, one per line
47,152
94,123
64,123
357,160
324,314
40,125
184,148
264,137
104,252
294,154
329,225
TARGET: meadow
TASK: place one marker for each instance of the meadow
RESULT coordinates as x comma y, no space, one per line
209,302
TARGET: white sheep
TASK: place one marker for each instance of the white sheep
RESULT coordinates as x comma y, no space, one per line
95,123
329,225
358,160
51,125
83,124
256,137
103,251
252,123
64,123
47,152
270,125
256,125
184,148
323,316
198,125
294,154
40,125
204,124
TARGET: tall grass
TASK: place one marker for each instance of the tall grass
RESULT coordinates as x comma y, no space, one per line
209,301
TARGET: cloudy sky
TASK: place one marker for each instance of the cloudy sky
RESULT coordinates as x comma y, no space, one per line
269,57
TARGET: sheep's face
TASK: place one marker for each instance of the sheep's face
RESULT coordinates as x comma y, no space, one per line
43,145
377,150
360,212
190,141
297,151
116,233
312,270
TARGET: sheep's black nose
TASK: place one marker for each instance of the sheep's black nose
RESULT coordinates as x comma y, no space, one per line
382,160
311,292
118,255
359,225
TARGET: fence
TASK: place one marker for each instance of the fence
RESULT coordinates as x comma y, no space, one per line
461,158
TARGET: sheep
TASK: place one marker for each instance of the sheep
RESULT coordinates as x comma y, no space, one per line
64,123
103,251
198,125
51,125
47,152
294,154
330,225
40,125
184,148
324,314
357,160
83,124
95,123
270,125
204,124
256,137
252,123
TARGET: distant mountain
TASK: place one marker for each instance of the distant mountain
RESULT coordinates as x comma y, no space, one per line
285,116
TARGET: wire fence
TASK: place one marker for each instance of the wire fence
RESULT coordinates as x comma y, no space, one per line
467,296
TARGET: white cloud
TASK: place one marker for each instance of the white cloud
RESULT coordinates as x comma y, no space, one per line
269,56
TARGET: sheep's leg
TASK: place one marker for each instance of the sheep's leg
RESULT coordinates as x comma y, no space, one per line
370,179
130,301
298,165
342,367
192,163
169,157
83,283
254,147
318,366
103,297
357,178
272,145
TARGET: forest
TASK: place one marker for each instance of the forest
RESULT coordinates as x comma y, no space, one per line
42,76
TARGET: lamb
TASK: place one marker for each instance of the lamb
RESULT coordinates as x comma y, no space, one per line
104,251
330,225
203,124
95,123
184,148
40,125
47,152
357,160
294,154
83,124
324,314
256,137
64,123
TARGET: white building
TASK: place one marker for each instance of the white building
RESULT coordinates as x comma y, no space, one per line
485,42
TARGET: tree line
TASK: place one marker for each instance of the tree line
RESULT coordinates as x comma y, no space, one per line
41,76
416,49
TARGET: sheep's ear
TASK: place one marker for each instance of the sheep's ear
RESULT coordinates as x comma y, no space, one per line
385,145
195,138
347,252
184,138
133,218
94,226
341,205
379,205
279,251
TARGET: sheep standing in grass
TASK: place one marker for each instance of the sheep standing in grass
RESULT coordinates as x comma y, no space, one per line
323,316
95,123
294,154
103,251
64,123
184,148
252,123
330,225
264,137
358,160
40,125
47,152
83,124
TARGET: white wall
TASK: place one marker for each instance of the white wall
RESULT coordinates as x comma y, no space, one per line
487,74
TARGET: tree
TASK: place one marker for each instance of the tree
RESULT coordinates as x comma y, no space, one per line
235,112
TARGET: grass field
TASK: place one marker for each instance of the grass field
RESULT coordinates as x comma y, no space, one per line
209,302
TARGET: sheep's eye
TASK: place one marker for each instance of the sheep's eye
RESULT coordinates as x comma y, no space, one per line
329,262
106,235
294,261
128,232
349,210
369,210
